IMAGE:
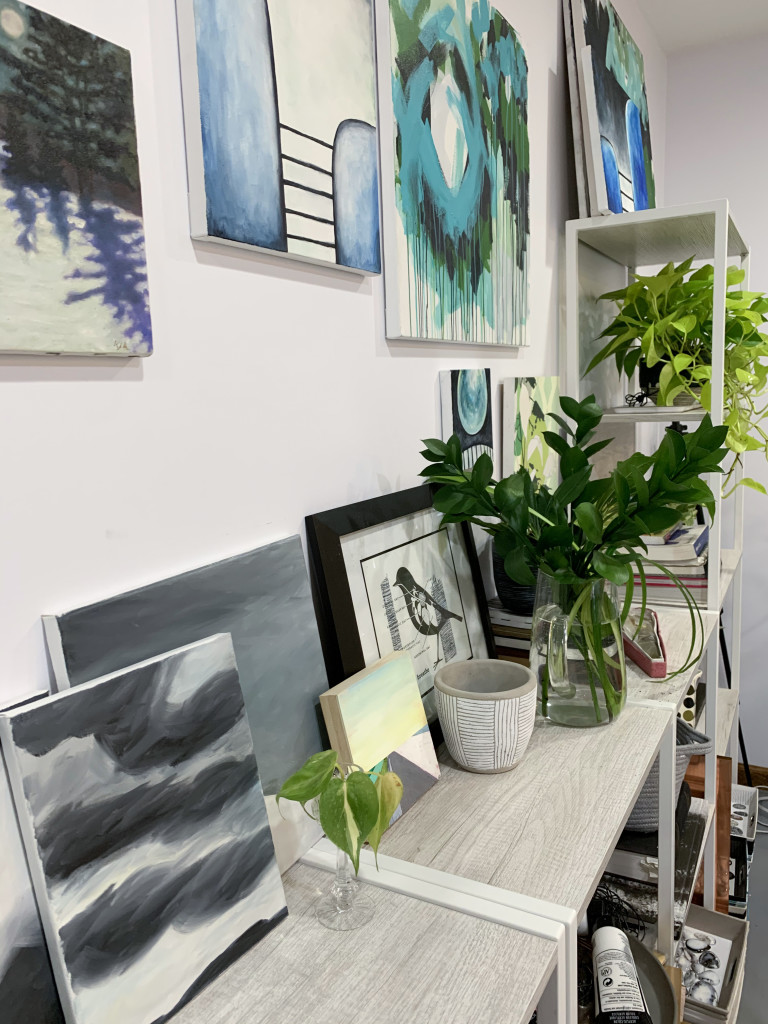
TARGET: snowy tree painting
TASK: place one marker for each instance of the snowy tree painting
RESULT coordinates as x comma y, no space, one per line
73,275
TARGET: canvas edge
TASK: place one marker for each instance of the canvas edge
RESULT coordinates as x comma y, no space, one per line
190,101
508,414
446,403
574,93
278,254
55,645
598,191
32,854
386,126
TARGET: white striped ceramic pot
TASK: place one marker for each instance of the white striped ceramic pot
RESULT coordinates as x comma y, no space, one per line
486,710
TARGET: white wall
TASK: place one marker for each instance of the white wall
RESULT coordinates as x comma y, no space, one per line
272,393
717,147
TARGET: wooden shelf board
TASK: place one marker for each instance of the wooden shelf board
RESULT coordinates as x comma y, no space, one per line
518,831
649,414
301,973
727,705
654,237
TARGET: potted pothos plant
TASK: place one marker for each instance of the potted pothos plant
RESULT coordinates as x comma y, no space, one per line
581,541
664,328
353,807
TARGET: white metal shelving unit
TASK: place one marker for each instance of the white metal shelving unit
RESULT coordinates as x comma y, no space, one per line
601,254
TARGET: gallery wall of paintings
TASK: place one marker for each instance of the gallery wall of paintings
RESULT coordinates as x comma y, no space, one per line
284,378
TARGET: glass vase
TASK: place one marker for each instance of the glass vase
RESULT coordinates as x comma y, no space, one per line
346,905
577,652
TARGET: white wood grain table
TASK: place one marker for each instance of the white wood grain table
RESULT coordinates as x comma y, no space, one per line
416,963
546,829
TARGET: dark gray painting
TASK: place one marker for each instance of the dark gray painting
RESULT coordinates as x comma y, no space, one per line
262,598
27,989
145,827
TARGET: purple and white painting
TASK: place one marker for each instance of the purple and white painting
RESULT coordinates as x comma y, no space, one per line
72,258
144,823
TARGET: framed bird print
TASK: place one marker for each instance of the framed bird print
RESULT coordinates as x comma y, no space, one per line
390,579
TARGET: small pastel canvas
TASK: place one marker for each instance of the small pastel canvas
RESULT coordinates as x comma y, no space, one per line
72,258
378,713
466,410
528,406
144,824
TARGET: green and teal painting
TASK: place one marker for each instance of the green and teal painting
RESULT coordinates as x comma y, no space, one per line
458,221
528,406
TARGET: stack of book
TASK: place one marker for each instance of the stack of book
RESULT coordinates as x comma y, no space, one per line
684,552
511,633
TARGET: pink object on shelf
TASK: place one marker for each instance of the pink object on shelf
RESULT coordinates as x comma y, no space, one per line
646,649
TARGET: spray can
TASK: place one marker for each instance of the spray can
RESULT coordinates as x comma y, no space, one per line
618,996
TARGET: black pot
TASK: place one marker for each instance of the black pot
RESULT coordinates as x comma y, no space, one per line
649,376
516,599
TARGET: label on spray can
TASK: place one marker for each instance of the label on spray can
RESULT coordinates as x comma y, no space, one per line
618,996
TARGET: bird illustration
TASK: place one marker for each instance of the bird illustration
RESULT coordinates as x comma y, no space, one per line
428,617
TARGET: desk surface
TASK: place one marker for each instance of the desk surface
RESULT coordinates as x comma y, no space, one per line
547,828
414,964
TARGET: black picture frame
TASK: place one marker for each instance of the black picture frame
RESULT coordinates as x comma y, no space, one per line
337,611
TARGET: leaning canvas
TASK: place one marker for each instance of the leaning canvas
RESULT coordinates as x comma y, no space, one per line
528,406
614,107
453,95
378,713
280,115
142,815
466,409
27,987
72,258
262,598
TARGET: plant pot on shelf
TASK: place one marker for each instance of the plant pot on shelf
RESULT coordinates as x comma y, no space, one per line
577,653
515,598
487,711
649,377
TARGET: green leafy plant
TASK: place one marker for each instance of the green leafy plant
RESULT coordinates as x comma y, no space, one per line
354,806
585,529
664,322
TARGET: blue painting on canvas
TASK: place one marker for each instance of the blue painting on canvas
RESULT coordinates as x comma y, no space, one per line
72,256
287,125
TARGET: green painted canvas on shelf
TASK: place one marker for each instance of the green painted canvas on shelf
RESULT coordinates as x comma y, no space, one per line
72,257
528,405
455,179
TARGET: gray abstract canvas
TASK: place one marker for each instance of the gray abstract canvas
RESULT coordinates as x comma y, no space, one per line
27,989
144,823
262,598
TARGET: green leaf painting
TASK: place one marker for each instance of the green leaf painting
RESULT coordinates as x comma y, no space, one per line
528,406
457,252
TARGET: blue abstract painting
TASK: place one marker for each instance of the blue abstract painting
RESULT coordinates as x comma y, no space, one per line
72,256
622,121
454,76
280,110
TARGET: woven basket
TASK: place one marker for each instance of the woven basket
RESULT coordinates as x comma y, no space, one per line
645,814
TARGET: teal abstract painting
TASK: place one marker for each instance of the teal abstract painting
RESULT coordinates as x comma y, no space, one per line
453,83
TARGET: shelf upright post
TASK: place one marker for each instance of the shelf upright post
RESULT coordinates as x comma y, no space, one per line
718,372
570,382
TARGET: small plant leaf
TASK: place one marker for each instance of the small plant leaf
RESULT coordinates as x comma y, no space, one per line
590,521
517,569
610,568
389,789
311,779
348,810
